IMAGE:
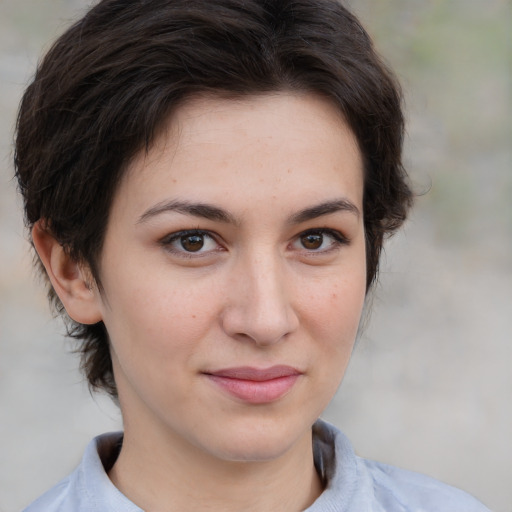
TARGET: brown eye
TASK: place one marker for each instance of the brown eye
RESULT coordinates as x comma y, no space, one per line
192,243
312,241
319,241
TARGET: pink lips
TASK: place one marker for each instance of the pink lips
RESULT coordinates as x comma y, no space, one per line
254,385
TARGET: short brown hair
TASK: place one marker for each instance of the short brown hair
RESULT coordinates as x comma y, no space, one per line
110,82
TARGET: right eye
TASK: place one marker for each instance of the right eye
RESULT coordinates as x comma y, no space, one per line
189,243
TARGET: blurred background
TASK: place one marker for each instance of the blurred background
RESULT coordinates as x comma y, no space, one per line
430,384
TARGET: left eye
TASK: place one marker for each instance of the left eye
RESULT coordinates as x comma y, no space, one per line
319,240
190,242
312,241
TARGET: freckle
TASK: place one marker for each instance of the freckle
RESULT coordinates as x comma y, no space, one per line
193,316
174,180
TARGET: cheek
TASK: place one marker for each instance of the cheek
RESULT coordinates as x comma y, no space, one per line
334,308
160,316
331,318
332,321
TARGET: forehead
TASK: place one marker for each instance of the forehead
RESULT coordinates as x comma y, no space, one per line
258,147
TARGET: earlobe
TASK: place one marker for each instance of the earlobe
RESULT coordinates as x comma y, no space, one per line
69,279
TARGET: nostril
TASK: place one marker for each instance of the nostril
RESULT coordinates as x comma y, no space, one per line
262,326
258,303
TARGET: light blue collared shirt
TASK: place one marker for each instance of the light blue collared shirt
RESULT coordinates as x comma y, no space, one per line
352,484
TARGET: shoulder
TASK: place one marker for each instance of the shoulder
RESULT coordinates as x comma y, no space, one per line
57,499
88,488
402,490
354,483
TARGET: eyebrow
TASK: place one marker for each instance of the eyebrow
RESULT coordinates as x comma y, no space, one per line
210,212
203,210
313,212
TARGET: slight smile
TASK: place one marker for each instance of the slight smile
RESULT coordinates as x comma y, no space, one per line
256,385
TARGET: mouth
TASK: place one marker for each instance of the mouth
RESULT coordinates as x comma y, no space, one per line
255,385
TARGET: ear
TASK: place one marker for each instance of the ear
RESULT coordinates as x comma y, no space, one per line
70,280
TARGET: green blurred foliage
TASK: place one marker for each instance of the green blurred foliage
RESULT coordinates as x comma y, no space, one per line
455,60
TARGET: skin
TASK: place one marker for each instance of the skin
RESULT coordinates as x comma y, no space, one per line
267,281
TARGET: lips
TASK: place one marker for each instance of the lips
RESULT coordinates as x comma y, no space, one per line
255,385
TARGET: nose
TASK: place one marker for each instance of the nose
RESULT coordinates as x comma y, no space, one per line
258,304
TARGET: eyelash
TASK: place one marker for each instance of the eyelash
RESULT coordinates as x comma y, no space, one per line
338,239
167,242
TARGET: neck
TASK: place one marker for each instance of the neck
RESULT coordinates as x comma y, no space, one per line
159,474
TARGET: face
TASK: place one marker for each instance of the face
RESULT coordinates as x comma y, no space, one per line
233,272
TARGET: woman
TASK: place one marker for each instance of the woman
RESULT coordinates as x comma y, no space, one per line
208,185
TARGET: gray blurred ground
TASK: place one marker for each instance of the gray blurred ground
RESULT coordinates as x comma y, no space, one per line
430,384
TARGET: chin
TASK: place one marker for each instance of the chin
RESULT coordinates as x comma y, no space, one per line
258,442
